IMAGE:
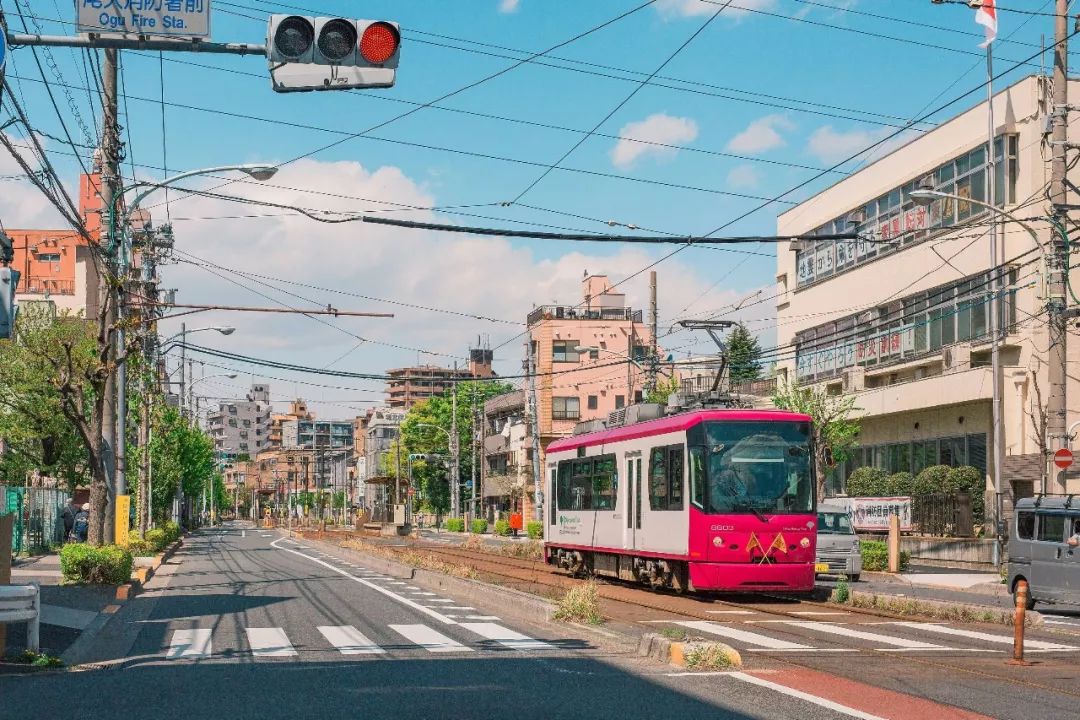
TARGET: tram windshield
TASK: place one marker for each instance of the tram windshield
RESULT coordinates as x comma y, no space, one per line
752,467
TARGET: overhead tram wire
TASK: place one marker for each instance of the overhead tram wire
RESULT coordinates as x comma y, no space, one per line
621,103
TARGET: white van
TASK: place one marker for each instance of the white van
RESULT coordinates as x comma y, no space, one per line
838,551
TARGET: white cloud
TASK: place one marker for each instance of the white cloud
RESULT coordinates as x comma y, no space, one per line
657,128
761,135
508,6
669,9
22,206
830,146
744,177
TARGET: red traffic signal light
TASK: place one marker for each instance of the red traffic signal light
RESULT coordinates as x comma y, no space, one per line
379,42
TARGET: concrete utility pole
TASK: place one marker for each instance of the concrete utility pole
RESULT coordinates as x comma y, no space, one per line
472,456
532,409
108,294
654,355
455,452
1058,260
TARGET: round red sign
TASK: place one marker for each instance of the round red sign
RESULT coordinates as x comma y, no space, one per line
1063,458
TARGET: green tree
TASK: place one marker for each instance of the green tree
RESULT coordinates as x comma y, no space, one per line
179,453
744,355
664,388
834,429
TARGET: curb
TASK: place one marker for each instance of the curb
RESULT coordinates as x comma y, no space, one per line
1000,616
661,649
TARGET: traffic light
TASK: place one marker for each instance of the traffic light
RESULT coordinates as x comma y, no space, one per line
320,53
9,281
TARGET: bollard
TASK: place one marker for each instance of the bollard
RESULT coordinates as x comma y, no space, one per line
1019,618
894,543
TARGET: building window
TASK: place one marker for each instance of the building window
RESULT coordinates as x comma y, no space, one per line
638,396
232,422
594,354
564,351
593,402
620,401
639,353
565,408
49,257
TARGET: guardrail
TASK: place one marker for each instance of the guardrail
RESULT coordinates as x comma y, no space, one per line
22,603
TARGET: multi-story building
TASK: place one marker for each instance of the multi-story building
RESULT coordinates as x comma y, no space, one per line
297,411
506,472
242,427
901,317
411,385
57,265
332,434
382,427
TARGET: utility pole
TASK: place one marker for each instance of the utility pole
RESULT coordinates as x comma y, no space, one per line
107,291
455,451
654,358
1058,260
532,409
472,455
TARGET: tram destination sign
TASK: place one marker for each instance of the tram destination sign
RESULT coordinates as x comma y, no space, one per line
151,18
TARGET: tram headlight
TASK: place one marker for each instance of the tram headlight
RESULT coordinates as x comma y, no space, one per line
718,541
804,543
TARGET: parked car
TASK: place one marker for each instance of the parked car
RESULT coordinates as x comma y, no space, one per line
838,550
1044,549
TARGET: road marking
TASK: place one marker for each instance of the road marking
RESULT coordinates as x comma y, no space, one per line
269,642
193,643
506,637
791,692
848,631
441,600
425,594
818,612
743,635
349,641
459,607
815,650
481,617
364,581
731,612
988,637
430,640
1060,622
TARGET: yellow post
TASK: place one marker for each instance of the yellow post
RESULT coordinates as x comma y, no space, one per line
123,521
894,543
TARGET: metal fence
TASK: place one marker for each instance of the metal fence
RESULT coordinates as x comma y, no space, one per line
38,523
943,515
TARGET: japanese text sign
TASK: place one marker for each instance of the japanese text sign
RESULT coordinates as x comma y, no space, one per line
165,18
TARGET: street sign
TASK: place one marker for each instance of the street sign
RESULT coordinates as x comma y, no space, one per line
152,18
1063,458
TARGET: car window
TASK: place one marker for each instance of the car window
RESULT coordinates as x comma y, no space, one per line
1052,528
1025,525
834,523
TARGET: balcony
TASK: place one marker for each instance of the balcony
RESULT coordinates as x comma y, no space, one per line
951,388
47,286
572,312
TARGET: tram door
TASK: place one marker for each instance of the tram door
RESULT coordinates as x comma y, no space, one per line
632,503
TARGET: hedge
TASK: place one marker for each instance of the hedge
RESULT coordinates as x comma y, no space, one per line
108,565
158,539
455,524
172,532
534,529
140,547
867,482
875,556
479,526
502,527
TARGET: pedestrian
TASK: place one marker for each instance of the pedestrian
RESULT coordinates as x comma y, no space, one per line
82,523
68,516
1074,539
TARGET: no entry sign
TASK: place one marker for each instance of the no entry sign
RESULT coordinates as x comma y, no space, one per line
1063,458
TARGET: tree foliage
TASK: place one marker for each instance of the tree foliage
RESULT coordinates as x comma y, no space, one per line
665,386
179,453
834,428
744,355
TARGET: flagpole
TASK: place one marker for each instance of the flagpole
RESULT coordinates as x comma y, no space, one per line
995,301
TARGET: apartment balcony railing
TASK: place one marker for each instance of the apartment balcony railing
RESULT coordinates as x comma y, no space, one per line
571,312
42,286
755,387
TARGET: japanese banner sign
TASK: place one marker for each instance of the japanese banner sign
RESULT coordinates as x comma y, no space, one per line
872,513
163,18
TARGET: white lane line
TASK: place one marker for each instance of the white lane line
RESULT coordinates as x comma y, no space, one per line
460,607
441,600
243,533
430,640
814,650
792,692
194,643
745,636
988,637
349,641
850,632
506,637
1060,622
482,617
269,642
411,587
818,612
364,581
731,612
425,594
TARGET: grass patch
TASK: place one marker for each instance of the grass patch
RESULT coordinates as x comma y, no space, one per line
708,656
413,558
932,610
581,603
528,550
42,660
677,634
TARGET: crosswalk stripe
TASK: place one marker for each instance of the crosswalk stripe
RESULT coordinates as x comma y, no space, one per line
848,631
269,642
430,640
460,607
349,641
988,637
506,637
743,635
482,617
193,643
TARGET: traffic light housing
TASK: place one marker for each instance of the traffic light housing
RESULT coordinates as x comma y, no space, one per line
323,53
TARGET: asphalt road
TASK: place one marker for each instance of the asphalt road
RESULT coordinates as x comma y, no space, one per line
246,624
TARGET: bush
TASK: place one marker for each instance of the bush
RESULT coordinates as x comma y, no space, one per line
455,524
901,483
875,556
867,482
502,527
158,539
581,603
172,532
534,529
841,593
478,527
970,480
140,547
108,565
932,480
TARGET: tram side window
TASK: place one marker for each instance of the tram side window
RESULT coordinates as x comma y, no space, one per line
588,483
666,478
1025,525
697,477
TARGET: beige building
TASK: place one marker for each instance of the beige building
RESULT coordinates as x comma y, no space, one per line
901,317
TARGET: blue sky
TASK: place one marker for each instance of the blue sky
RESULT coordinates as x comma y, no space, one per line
834,82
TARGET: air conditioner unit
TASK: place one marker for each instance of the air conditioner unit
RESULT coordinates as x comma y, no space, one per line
956,357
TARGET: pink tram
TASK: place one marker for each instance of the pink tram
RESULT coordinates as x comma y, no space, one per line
705,500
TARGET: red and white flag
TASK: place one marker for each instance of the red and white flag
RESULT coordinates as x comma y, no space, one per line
986,15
